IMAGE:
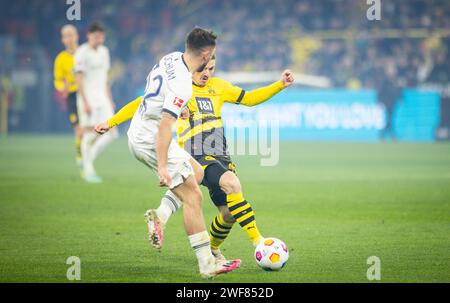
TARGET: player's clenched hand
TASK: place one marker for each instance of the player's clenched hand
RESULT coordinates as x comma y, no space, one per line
185,114
102,128
287,78
164,177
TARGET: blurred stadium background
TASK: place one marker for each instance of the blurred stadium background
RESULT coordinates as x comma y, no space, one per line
400,62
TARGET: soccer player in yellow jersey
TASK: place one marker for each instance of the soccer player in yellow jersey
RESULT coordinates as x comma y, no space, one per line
64,80
194,131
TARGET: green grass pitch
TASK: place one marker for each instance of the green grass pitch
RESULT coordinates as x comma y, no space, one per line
334,205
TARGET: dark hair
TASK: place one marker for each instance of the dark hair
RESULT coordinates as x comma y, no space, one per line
96,27
200,38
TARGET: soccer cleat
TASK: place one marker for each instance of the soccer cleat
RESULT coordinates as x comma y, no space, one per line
155,229
94,179
218,255
221,267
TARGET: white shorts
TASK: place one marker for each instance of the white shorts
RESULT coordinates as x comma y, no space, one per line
177,160
99,114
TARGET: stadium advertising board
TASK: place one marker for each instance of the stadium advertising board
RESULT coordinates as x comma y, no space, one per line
340,115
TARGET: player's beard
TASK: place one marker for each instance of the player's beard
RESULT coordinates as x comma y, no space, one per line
202,67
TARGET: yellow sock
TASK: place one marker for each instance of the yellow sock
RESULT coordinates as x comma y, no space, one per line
219,231
244,215
78,147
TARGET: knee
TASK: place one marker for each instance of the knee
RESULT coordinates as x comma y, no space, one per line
198,171
199,175
230,183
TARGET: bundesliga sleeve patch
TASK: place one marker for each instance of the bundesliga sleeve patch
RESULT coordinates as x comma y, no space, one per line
178,102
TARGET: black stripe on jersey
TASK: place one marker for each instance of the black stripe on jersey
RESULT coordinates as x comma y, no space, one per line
170,113
234,207
202,119
193,123
241,96
247,221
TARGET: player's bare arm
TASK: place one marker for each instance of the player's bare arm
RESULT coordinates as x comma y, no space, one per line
79,78
164,137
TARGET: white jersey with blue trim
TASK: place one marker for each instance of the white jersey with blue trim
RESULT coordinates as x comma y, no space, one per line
168,89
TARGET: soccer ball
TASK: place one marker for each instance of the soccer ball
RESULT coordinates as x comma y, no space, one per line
271,254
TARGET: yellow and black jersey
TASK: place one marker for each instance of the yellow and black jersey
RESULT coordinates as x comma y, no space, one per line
202,133
63,72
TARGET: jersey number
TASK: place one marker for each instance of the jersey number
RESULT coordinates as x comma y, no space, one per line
143,107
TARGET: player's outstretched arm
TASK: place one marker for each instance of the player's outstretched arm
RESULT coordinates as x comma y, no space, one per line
79,78
124,114
263,94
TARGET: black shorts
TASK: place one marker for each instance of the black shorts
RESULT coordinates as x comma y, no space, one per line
72,108
214,168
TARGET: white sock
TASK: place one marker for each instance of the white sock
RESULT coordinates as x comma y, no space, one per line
86,146
201,245
101,142
169,205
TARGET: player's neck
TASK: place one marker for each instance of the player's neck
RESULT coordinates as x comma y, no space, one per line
94,47
190,62
72,50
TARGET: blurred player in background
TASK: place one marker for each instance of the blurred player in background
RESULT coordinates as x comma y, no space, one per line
64,81
201,126
168,90
94,99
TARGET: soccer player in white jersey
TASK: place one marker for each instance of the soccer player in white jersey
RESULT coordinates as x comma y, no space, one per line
94,100
168,90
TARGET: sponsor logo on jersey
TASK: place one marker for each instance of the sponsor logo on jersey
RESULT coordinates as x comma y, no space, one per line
178,102
205,105
211,90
